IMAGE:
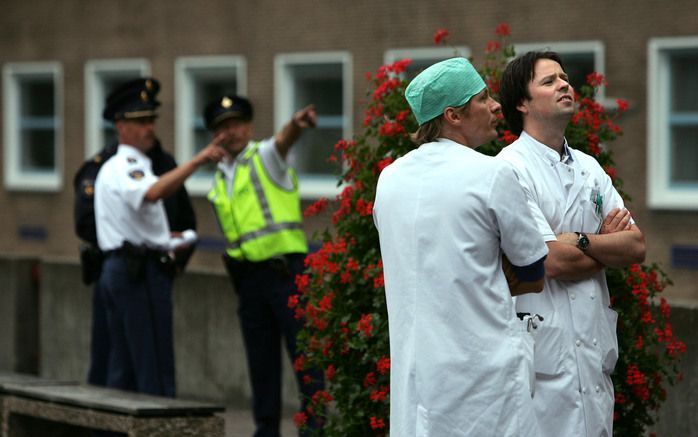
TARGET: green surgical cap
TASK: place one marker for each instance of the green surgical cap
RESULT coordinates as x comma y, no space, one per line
447,83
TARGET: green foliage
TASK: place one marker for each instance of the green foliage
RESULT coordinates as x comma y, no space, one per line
341,295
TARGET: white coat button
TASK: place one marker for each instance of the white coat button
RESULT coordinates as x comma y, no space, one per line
594,341
584,390
573,296
592,296
597,388
578,343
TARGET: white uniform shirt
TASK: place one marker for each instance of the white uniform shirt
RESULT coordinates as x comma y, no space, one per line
460,358
273,162
576,345
121,211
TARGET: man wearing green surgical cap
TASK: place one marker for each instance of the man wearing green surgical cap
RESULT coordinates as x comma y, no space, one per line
461,360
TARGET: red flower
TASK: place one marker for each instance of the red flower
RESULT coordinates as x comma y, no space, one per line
317,207
307,379
622,105
370,379
377,423
302,282
596,79
391,129
363,207
365,325
330,372
299,363
508,137
503,29
293,301
383,365
611,172
379,395
383,163
440,36
493,46
300,419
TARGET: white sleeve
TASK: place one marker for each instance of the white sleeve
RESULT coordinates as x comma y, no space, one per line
135,182
274,163
520,238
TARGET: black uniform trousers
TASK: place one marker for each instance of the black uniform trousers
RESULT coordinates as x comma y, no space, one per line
139,320
263,290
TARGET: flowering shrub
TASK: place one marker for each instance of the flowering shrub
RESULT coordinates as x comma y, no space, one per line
341,294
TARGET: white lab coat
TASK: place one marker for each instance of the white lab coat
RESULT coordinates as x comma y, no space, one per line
460,358
576,345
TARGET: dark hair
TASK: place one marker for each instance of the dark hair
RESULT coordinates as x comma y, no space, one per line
431,130
514,87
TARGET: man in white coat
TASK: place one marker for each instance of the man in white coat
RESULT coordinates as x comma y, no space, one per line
584,222
460,357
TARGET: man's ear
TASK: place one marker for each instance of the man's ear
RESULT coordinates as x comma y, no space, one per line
522,107
452,116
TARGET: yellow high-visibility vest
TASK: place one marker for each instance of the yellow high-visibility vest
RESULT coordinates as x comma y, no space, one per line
259,218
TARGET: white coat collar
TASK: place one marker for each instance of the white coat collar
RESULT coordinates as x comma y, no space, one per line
547,152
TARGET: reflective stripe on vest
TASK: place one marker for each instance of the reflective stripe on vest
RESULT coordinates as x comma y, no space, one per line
248,224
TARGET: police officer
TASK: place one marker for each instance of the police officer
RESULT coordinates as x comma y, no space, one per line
180,216
136,239
255,198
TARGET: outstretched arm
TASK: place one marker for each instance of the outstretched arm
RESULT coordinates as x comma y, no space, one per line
170,182
289,134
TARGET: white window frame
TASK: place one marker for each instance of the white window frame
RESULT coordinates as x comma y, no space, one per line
312,187
422,53
96,94
660,193
572,47
186,71
15,179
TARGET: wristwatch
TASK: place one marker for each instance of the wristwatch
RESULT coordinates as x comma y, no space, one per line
582,241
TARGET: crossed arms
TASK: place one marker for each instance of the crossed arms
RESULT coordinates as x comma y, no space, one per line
618,244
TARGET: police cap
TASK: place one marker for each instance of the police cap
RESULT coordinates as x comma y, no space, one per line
226,107
133,99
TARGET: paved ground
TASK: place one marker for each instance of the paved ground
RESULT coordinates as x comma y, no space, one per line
238,423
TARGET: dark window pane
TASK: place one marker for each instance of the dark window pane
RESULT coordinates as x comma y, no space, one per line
578,66
326,94
313,149
37,150
684,154
37,99
684,83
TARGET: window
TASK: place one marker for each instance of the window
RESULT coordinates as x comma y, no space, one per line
101,78
198,81
32,101
672,119
323,79
423,57
579,59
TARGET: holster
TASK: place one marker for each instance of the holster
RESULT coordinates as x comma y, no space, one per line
91,259
135,260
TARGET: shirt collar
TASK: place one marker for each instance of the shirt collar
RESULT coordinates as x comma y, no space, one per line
548,152
131,150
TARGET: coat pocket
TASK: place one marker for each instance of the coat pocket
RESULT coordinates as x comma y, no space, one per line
609,343
549,350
